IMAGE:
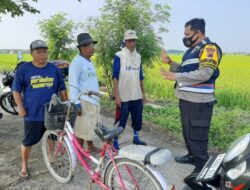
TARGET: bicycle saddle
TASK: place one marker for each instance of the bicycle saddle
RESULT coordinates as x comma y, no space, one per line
107,134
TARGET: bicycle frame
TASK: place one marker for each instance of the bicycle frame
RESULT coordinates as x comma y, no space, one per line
81,154
76,150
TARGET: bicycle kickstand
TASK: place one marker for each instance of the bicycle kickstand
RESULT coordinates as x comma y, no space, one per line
90,184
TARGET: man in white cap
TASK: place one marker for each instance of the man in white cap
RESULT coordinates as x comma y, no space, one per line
129,85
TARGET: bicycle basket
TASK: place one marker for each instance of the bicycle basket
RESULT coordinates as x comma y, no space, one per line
55,118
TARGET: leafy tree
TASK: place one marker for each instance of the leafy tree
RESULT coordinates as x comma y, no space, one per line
16,8
59,34
118,16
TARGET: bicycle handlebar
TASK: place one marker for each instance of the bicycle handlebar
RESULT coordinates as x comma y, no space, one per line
55,99
95,93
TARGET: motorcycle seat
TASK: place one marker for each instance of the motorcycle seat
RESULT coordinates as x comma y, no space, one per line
146,154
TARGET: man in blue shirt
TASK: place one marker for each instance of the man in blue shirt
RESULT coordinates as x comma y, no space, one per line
33,86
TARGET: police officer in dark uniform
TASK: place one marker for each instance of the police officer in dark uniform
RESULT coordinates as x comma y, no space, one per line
195,85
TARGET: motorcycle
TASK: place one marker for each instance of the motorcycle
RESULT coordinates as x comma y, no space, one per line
227,171
63,67
7,101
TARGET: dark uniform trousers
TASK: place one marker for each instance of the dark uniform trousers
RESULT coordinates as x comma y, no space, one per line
195,120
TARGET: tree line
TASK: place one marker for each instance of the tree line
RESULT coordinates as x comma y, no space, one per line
108,29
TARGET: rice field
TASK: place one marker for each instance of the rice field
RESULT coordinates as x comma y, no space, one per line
232,87
9,61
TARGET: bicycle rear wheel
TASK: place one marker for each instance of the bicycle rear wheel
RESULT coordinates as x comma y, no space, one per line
8,103
134,175
57,157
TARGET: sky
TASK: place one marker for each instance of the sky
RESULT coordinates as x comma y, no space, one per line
227,22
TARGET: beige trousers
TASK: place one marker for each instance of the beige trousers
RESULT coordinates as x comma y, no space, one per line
84,125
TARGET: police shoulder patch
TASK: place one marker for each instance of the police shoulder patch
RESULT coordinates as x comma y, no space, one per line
209,56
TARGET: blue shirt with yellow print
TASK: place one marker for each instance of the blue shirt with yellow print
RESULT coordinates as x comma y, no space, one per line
37,86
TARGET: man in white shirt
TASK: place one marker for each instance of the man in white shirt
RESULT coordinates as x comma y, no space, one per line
129,85
82,76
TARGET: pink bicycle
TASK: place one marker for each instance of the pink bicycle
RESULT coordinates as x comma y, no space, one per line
132,168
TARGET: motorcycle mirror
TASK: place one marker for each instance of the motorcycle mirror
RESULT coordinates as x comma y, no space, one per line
19,55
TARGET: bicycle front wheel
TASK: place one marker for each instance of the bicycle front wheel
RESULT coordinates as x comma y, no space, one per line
8,104
57,157
134,175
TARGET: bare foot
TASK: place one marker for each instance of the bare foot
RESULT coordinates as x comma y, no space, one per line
23,173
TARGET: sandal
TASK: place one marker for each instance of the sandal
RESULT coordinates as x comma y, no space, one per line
94,150
23,175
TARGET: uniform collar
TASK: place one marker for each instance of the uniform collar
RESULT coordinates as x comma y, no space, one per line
199,45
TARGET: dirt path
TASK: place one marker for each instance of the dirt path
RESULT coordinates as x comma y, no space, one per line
11,131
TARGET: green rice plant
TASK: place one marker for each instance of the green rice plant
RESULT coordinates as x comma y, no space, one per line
157,87
228,125
8,62
168,117
232,87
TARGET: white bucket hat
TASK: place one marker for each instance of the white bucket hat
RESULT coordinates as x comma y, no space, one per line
130,34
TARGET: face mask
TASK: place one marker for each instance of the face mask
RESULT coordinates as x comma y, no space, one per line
188,42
